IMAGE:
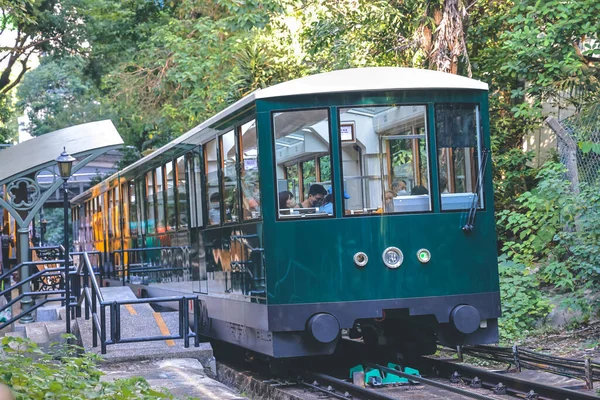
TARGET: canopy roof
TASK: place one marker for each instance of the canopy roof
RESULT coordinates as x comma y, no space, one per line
78,140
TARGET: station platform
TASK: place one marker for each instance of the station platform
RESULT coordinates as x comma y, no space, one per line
140,320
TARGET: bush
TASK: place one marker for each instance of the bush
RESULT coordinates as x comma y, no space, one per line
62,374
522,302
552,235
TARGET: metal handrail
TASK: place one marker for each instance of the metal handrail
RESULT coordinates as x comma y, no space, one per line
98,327
22,282
92,296
126,271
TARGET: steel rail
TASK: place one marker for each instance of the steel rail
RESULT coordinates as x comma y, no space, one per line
349,387
512,383
428,382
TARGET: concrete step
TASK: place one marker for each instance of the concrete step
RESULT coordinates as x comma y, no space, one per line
20,334
47,314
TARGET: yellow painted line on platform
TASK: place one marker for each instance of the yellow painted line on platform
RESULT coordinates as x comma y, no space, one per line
163,328
130,308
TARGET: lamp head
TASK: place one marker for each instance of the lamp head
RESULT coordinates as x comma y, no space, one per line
65,163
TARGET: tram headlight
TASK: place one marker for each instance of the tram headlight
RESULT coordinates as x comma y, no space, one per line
392,257
423,256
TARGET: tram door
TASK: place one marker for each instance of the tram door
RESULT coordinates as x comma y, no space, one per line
198,248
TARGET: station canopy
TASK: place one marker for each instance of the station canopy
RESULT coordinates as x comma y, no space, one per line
29,173
42,151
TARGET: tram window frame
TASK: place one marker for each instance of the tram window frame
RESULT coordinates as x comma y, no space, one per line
110,214
299,162
125,209
384,172
133,212
161,213
181,197
234,210
207,195
450,167
195,171
170,216
150,203
117,211
251,208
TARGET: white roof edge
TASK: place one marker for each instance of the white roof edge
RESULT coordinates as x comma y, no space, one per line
232,108
371,79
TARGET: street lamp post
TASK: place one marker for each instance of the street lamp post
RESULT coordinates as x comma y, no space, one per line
43,223
65,163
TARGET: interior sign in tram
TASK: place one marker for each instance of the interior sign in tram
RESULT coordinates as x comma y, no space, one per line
358,199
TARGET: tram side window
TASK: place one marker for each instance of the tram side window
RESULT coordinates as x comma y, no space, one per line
249,170
384,159
302,152
133,215
459,154
195,178
150,217
116,214
213,192
111,208
140,194
125,212
182,207
229,176
171,216
160,202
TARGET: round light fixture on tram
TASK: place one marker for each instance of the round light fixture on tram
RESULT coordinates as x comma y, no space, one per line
393,257
423,256
361,259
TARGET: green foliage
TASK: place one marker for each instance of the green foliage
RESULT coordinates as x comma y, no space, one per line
58,94
523,305
553,232
62,374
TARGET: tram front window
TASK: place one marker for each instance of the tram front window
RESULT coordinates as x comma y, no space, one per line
459,154
302,156
384,159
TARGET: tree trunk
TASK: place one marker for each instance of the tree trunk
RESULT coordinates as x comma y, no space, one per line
567,149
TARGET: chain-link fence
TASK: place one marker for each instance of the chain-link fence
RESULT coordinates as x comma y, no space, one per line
578,139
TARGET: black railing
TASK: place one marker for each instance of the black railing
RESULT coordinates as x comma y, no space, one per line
84,288
142,263
92,296
45,273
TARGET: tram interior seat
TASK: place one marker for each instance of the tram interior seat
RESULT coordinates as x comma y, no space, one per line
414,203
298,211
457,201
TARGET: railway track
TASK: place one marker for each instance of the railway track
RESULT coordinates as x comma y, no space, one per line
328,378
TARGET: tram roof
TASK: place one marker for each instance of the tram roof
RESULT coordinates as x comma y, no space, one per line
372,79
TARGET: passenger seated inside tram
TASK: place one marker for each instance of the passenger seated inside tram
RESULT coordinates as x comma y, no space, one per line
399,188
327,206
286,200
214,213
316,194
389,201
419,189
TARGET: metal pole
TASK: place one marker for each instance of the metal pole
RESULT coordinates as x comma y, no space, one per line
67,266
23,246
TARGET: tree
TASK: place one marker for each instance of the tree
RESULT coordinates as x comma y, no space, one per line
38,26
59,94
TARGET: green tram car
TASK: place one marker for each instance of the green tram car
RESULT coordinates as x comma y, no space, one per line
358,199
